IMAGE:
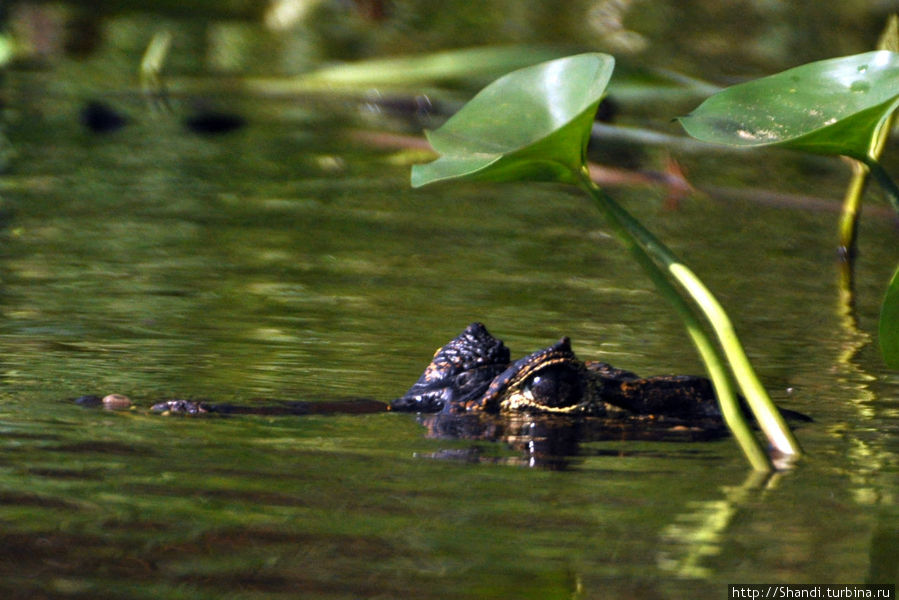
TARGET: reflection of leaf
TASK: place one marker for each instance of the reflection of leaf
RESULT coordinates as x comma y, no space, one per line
889,324
831,106
533,123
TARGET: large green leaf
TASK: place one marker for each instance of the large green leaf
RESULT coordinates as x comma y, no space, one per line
532,124
833,106
889,324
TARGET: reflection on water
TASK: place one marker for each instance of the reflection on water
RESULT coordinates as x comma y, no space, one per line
553,442
218,287
697,535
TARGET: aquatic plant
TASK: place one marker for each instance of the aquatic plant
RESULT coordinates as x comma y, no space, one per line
840,106
533,125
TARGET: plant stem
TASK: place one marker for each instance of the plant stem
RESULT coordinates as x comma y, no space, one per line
711,356
848,235
889,40
849,217
885,181
767,415
633,233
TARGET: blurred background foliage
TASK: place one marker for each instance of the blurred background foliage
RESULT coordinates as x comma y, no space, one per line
705,38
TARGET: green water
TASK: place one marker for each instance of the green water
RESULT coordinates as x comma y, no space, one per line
286,261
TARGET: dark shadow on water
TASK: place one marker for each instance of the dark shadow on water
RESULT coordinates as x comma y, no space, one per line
9,498
75,474
103,447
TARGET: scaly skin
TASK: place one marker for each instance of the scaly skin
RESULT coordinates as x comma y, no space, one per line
471,374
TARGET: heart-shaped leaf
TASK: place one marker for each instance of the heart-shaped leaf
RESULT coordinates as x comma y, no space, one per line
532,124
833,106
888,329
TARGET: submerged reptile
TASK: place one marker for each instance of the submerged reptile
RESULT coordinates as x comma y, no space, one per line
472,374
544,405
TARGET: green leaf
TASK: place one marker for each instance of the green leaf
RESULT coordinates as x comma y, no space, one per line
833,106
532,124
889,324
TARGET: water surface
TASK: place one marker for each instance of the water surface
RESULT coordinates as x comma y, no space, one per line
285,261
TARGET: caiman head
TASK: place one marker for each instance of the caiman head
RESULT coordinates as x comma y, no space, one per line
459,373
472,373
551,380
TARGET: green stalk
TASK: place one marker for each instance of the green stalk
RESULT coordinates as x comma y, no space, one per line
848,235
885,181
889,40
769,418
849,217
627,228
710,355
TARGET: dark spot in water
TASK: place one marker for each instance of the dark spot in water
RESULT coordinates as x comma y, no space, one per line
214,122
172,293
99,117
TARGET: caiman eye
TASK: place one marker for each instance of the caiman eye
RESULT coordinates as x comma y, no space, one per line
557,386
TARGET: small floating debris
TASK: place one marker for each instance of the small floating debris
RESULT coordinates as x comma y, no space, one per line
109,402
116,402
180,407
89,401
